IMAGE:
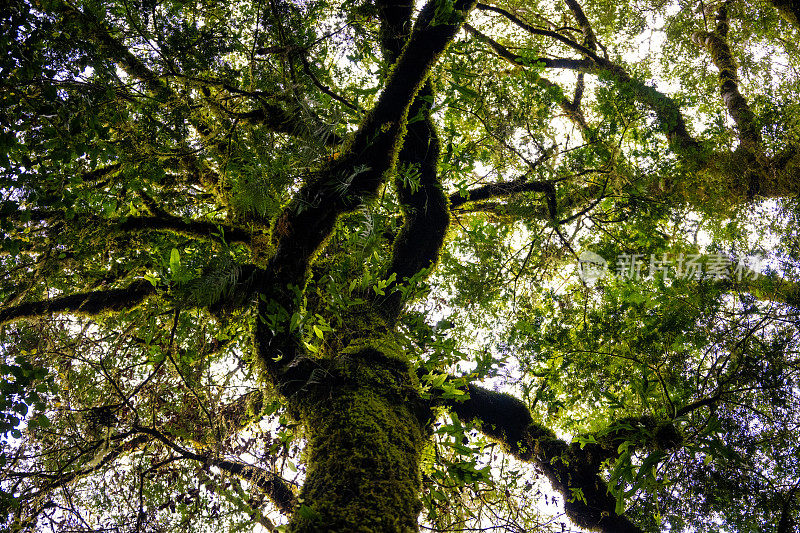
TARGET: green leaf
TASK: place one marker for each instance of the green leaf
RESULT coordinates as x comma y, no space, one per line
308,513
175,262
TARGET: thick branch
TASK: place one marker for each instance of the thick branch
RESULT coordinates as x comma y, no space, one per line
786,523
710,401
425,207
581,65
192,228
395,17
540,31
87,303
754,171
424,204
669,115
590,40
270,483
348,181
499,190
716,44
204,229
280,120
567,466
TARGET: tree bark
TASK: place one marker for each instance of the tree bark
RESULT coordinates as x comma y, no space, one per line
367,427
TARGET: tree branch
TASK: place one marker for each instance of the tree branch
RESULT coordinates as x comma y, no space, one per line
94,30
426,214
667,111
322,87
789,10
346,182
755,162
499,190
274,486
786,523
716,44
540,31
204,229
87,303
193,228
567,466
582,65
590,40
61,479
686,409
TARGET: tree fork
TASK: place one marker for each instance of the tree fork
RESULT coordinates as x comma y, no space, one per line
342,185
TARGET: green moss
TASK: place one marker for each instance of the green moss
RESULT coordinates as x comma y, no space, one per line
366,434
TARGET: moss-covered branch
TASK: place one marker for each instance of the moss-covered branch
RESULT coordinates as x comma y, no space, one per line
395,28
505,189
768,287
204,229
271,484
590,39
738,176
87,303
92,28
567,466
425,205
540,31
749,170
425,211
280,120
348,181
716,44
787,521
668,112
581,65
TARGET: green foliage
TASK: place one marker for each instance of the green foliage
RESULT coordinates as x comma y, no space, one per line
170,141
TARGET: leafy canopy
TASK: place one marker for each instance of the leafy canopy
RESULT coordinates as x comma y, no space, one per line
181,178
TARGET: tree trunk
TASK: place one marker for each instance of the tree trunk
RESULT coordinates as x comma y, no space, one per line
366,427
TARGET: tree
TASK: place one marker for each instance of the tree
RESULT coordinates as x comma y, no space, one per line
264,261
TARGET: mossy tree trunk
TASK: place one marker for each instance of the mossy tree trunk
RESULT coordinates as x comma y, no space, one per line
366,423
366,427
